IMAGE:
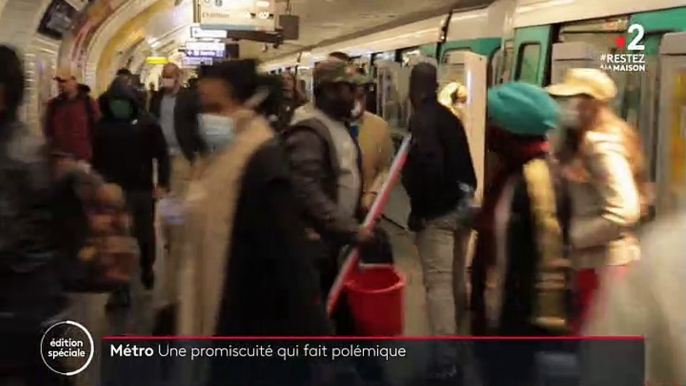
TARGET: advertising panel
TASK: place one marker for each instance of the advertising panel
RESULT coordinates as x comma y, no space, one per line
58,19
88,22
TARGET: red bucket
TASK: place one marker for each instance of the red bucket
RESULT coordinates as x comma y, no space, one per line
375,296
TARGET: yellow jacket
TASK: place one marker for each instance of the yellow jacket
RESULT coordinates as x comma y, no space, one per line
377,154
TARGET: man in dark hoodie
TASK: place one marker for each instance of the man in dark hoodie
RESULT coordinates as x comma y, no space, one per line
30,293
127,141
438,177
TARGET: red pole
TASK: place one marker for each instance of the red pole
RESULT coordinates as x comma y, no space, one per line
374,214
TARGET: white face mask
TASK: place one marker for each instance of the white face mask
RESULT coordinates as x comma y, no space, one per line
218,131
569,117
357,111
168,83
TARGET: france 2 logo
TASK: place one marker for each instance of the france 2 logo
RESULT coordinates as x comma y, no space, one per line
636,43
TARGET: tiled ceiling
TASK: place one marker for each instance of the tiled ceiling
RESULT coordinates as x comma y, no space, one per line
322,20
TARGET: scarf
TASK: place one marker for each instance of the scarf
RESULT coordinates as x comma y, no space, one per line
519,154
212,206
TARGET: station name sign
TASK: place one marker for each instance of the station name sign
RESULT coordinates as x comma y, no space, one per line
201,33
195,62
206,46
204,50
204,53
235,15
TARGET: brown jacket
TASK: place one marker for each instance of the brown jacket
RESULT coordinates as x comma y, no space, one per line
377,154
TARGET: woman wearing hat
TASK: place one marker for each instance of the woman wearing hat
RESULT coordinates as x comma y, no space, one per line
604,165
520,230
516,235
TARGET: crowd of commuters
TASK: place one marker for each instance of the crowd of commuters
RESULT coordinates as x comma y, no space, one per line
262,189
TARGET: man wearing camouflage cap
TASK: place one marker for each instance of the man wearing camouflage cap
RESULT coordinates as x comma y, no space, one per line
325,163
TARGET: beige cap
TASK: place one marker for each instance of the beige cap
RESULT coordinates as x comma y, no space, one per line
585,81
64,74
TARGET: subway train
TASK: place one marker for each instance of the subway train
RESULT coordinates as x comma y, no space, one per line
537,40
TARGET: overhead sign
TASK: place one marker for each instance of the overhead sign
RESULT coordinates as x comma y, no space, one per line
204,46
204,53
196,62
235,15
155,60
199,33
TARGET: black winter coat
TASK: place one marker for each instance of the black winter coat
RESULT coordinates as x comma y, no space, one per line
124,150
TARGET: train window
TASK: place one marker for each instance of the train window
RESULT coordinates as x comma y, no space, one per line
408,53
451,54
507,62
529,57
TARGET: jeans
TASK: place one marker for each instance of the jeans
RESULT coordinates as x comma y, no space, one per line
442,246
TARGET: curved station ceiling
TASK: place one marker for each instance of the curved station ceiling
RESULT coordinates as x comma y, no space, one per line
100,36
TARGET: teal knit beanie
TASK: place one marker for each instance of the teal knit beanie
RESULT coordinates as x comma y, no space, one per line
521,108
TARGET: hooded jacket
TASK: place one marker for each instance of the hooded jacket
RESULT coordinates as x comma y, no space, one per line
439,159
123,149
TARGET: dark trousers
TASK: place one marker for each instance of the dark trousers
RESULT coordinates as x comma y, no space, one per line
141,206
20,360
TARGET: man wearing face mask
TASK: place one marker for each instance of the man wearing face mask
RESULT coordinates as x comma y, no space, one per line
127,141
325,163
177,111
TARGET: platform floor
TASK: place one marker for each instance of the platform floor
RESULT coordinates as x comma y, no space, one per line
138,319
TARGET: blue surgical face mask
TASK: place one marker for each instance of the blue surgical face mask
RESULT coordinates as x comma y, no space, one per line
218,131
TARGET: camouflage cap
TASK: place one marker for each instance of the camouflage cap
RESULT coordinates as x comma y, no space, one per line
362,79
334,71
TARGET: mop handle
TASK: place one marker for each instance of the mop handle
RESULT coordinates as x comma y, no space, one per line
372,216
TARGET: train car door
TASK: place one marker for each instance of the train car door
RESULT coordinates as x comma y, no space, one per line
470,70
572,55
392,79
532,51
671,160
